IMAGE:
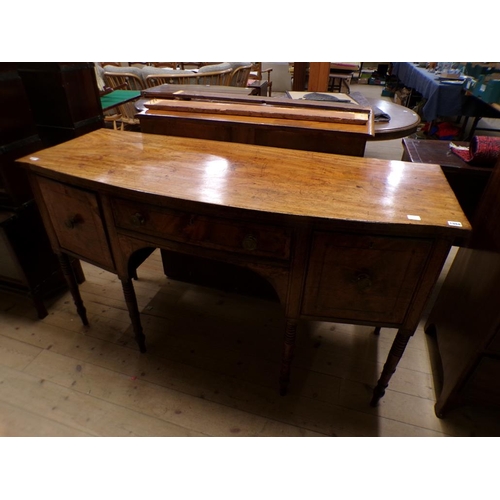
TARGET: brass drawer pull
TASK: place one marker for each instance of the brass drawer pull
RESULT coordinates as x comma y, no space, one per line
138,219
72,221
363,281
250,242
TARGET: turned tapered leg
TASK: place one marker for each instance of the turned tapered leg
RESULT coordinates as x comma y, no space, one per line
288,348
70,278
133,311
397,350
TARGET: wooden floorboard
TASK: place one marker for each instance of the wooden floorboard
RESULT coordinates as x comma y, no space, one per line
211,369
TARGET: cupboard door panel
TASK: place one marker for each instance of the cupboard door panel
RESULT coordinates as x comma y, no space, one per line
363,278
483,384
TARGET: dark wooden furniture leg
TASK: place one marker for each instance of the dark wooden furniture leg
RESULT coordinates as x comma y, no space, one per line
69,275
288,348
37,300
397,350
133,311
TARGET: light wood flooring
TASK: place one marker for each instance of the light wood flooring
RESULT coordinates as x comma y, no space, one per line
211,368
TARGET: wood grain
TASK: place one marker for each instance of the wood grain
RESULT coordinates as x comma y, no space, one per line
229,108
261,179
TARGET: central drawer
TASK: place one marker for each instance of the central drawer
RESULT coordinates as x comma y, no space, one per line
201,230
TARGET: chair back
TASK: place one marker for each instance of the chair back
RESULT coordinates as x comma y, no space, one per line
171,78
171,65
239,77
215,77
122,80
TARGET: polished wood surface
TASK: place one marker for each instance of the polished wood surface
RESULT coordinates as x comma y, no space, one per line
354,117
257,178
403,122
266,209
466,316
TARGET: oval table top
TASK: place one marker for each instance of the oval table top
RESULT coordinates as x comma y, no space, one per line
403,121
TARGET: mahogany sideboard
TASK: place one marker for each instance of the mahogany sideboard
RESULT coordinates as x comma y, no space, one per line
343,239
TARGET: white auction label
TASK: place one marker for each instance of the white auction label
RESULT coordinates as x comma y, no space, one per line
414,217
454,223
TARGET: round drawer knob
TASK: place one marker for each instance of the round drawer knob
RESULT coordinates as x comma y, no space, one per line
138,219
363,281
250,242
72,221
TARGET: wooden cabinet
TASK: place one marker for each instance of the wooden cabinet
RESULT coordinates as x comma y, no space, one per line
64,99
466,315
27,264
18,137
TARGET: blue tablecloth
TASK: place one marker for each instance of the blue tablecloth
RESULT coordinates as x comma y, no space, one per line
442,99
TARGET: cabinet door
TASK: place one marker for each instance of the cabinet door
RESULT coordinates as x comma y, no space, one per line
9,267
76,217
483,385
364,278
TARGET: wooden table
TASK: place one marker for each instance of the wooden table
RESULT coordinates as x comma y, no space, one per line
263,121
442,99
468,182
403,120
340,238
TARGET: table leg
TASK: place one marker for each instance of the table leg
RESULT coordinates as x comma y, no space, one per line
133,311
70,278
397,350
288,348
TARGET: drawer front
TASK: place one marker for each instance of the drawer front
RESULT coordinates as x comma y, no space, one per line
363,278
205,231
77,221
